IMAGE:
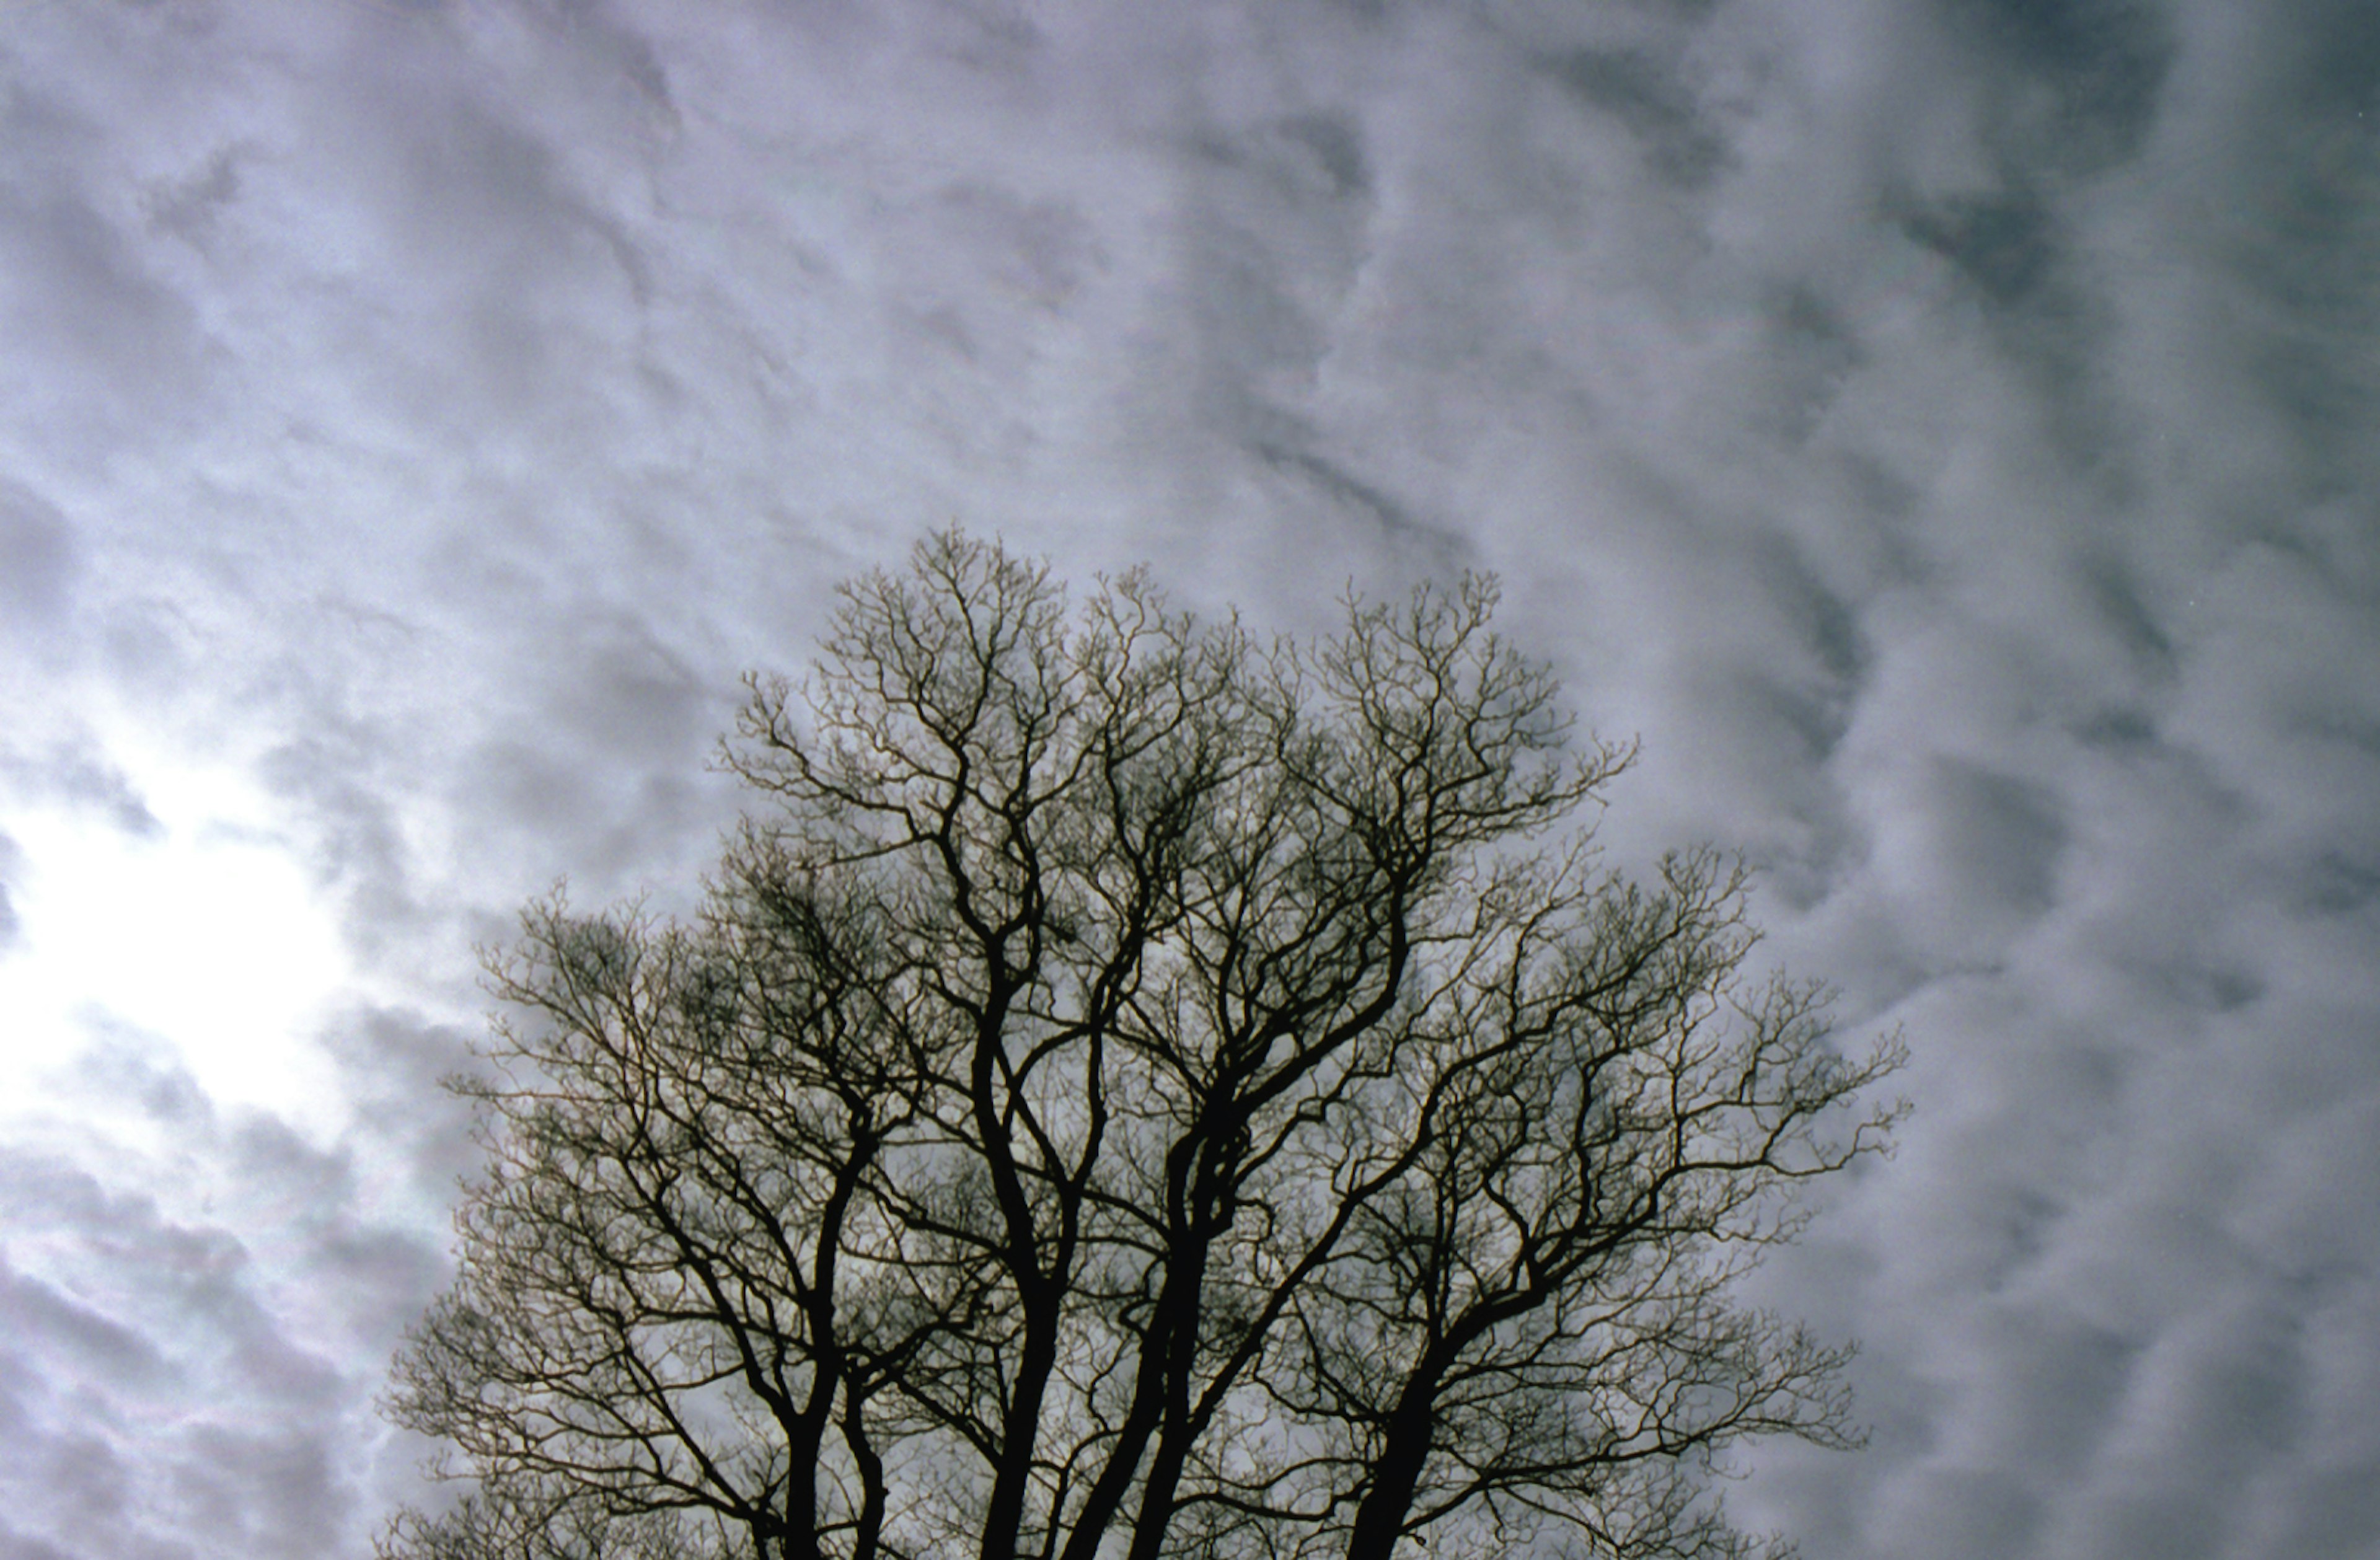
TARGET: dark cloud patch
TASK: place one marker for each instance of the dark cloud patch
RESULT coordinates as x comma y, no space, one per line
1337,142
2337,883
489,292
1999,837
552,814
2030,282
1317,159
382,1264
623,689
2330,1516
1436,547
1275,232
84,1484
2124,610
2084,77
1813,354
604,747
2065,1385
1826,624
2274,185
2120,730
2334,56
2306,252
1815,716
1253,323
104,349
22,1545
992,36
981,274
1973,1511
2226,1372
338,773
2002,245
86,779
395,1063
189,208
1647,96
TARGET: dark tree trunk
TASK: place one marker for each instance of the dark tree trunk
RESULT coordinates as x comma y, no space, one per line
1003,1517
1381,1519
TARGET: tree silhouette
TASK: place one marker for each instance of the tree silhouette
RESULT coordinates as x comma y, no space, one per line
1132,1091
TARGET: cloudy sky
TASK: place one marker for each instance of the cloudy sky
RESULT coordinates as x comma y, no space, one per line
1943,431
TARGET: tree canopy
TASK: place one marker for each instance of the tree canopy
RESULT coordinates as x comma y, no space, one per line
1132,1091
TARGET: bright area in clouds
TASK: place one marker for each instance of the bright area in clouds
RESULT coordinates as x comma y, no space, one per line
195,928
1941,430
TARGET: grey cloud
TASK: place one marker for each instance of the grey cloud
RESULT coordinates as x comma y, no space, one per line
1939,430
2272,170
1998,837
623,689
382,1268
165,1398
273,1493
64,1330
83,1484
531,797
2170,1475
84,299
125,1067
1313,161
22,1545
2062,1380
107,350
2046,1386
78,773
1336,140
2335,884
608,48
1814,353
337,772
1433,546
395,1063
1819,619
1035,252
2126,612
188,208
2003,245
39,559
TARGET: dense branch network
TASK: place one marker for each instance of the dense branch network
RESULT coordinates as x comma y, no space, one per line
1133,1092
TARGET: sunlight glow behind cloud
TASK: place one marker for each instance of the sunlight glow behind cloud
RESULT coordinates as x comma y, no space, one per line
205,933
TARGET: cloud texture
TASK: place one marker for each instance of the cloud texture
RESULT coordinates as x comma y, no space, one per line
1942,432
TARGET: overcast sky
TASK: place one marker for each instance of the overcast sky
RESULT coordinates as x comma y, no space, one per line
1944,433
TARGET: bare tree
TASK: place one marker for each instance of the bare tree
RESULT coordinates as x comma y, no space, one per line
1133,1093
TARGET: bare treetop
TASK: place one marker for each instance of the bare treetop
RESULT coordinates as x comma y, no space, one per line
1137,1092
